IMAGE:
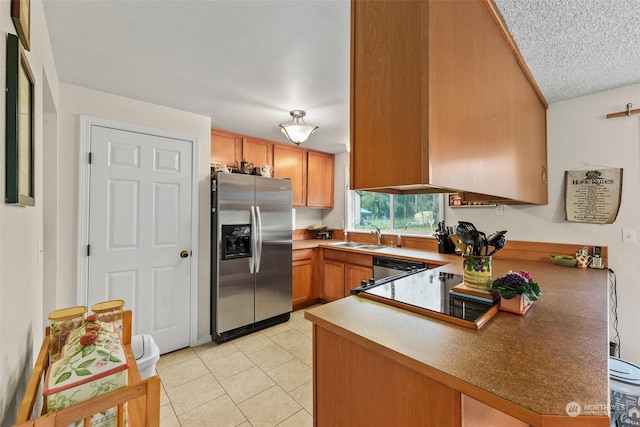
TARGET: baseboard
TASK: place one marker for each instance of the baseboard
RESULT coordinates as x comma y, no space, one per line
204,340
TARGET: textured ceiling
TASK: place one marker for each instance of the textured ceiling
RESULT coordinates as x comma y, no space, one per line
576,47
246,64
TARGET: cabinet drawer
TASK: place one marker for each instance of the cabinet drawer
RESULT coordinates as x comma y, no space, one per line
302,254
334,255
360,259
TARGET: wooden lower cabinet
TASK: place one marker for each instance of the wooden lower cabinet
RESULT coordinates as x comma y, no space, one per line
354,274
304,273
355,386
343,271
477,414
333,280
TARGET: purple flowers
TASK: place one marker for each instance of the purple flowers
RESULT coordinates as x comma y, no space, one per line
517,283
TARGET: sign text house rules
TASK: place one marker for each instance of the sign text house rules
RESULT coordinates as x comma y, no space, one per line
592,196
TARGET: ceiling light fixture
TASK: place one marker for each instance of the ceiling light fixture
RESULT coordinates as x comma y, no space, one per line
297,130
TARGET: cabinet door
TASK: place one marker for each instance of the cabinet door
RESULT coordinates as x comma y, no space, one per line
320,176
354,274
257,151
506,120
226,147
476,413
347,371
291,162
333,281
385,152
452,143
301,282
303,265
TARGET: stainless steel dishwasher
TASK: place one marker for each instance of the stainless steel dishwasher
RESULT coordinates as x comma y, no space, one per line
386,267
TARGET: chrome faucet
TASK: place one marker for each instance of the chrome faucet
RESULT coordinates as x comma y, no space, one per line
378,234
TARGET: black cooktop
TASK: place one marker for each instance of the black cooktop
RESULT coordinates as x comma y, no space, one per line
427,292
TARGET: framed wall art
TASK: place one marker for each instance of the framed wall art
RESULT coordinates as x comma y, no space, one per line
19,185
21,16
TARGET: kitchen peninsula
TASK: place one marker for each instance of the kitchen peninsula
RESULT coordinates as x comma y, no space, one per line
375,364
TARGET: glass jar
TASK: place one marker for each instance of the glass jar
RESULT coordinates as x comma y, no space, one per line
110,312
63,321
477,271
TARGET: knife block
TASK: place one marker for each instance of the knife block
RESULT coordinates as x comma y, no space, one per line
447,246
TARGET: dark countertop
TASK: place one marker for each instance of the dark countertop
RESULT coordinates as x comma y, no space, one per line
555,354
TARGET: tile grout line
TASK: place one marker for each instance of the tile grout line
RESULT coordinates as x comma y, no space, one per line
237,348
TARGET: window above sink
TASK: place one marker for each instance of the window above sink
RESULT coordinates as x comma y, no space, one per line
401,213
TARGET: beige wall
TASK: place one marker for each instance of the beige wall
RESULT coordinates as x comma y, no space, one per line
335,218
21,229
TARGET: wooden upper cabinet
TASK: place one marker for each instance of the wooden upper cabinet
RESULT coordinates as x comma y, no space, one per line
320,177
290,162
441,103
226,147
257,151
311,172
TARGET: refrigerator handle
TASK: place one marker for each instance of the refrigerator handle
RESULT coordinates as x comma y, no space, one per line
259,242
254,238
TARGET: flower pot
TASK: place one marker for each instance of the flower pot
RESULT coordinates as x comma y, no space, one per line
477,271
519,304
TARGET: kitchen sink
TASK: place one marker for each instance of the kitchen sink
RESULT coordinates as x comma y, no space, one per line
348,244
357,245
371,247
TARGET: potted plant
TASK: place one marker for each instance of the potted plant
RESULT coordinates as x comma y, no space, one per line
517,291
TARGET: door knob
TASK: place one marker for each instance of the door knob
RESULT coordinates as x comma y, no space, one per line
184,254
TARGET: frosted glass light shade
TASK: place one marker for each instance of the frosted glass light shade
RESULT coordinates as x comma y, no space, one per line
297,131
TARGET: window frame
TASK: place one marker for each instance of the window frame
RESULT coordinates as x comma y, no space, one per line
351,217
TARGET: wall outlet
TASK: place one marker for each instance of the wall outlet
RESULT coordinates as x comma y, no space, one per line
629,235
499,210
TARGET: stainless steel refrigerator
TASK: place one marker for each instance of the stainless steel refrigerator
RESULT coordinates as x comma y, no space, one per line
251,223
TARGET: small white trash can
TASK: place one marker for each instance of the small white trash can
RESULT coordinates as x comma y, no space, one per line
625,392
147,353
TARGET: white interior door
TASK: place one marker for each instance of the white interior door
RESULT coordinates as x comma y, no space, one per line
140,230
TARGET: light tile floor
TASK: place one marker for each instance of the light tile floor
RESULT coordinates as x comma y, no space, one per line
262,379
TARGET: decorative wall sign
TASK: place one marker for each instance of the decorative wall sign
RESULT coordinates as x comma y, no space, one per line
592,196
21,15
19,181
